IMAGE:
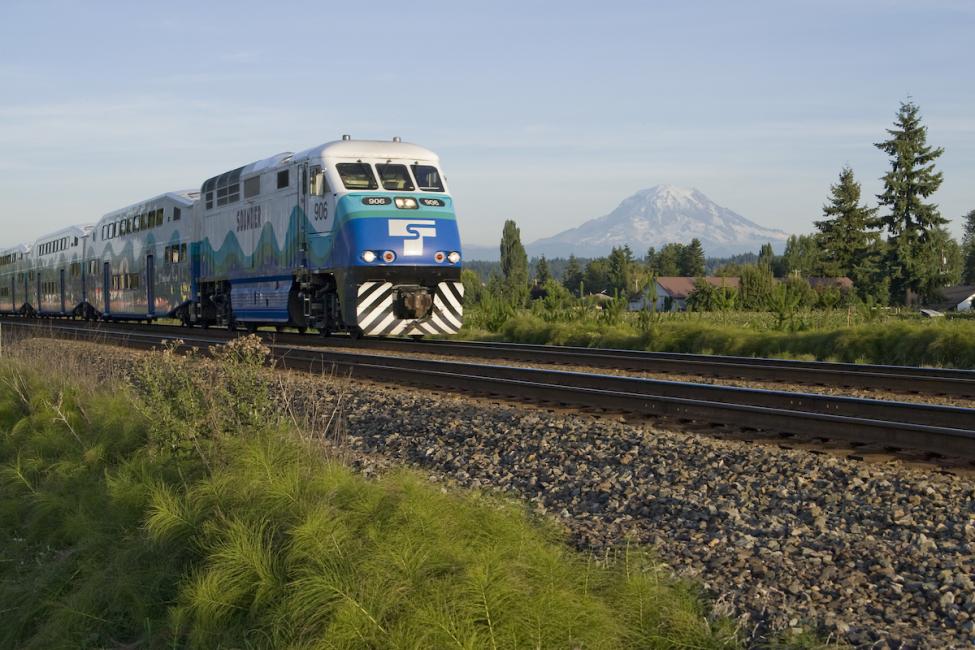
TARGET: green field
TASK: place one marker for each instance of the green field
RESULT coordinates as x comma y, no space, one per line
850,335
182,508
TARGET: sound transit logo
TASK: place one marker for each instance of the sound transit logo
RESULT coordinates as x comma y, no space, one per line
414,231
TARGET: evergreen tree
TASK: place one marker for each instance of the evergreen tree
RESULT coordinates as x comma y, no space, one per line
573,277
596,277
692,259
756,286
542,272
847,236
766,256
667,261
968,248
514,264
910,221
621,270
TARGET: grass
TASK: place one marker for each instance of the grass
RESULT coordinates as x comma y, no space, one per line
897,340
184,510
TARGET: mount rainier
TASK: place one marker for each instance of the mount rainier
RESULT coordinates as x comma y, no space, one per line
657,216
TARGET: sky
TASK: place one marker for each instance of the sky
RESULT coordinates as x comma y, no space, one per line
546,113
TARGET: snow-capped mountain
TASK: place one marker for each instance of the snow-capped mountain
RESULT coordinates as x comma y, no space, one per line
657,216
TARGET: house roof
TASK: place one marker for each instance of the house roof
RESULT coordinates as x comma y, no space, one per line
680,287
950,297
842,283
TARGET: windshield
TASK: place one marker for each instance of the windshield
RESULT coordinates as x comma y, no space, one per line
427,177
395,177
357,176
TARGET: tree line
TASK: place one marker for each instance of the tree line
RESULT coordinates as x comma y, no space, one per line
897,252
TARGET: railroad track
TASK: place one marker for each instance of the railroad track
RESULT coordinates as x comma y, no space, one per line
900,379
943,430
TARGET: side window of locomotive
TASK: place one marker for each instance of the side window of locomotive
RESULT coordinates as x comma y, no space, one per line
283,179
357,176
318,186
252,187
427,177
395,177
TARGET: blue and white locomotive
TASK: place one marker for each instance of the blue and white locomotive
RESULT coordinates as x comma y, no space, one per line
357,236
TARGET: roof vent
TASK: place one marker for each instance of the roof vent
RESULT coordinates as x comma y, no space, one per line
396,138
346,137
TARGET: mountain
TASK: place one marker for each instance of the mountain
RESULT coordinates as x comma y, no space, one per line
657,216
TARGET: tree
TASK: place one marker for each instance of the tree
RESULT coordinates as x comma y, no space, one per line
968,248
755,287
572,279
801,257
766,256
621,270
910,221
514,264
667,261
542,273
691,260
596,276
848,232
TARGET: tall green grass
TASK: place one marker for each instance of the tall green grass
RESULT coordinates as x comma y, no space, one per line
947,343
185,512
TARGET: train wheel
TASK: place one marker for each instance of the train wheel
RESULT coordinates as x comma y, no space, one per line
302,330
250,327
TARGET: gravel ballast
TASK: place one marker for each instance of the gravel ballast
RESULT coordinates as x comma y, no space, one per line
868,554
785,539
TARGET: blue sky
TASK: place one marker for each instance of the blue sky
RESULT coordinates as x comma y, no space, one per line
546,113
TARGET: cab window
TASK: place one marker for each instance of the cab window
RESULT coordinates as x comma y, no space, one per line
357,176
427,177
395,177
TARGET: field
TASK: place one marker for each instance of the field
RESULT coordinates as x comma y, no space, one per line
848,335
180,503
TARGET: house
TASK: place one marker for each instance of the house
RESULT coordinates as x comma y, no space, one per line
672,292
957,298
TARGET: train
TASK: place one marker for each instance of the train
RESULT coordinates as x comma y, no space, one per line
356,236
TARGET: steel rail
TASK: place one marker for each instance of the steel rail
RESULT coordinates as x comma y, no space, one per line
944,430
904,379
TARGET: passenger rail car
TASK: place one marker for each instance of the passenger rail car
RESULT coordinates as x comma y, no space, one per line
353,235
14,279
139,266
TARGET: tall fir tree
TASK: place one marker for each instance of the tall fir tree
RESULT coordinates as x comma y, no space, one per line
910,221
542,273
968,249
572,278
514,264
621,270
766,256
692,259
848,237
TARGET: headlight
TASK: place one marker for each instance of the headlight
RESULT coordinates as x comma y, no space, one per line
439,257
454,257
389,256
368,257
405,203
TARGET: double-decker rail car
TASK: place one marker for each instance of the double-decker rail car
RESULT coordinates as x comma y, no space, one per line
353,235
13,279
350,235
138,264
56,261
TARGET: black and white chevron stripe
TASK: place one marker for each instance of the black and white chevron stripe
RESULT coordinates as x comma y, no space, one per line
375,315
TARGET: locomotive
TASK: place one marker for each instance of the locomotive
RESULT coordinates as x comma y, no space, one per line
357,236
